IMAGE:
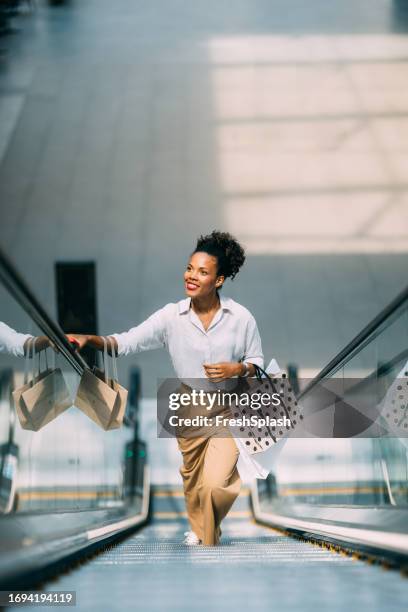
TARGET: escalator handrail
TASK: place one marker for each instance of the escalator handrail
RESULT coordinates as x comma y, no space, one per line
365,333
19,289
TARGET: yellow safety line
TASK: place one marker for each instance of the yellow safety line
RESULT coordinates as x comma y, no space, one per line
298,491
65,494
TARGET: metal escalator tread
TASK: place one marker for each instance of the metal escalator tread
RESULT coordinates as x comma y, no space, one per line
240,543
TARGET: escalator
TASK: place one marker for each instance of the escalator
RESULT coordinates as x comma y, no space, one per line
79,513
256,567
352,491
66,488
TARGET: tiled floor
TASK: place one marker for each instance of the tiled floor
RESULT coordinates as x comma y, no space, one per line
130,128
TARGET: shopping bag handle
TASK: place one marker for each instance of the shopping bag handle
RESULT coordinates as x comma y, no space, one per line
39,360
105,358
114,362
30,348
33,358
259,372
113,355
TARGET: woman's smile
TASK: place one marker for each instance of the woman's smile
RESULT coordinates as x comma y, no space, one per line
192,286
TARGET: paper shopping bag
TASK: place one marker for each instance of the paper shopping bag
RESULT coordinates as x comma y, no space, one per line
284,406
17,393
118,411
45,400
42,399
393,407
96,398
101,398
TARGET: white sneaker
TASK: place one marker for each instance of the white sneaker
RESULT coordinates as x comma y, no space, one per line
191,538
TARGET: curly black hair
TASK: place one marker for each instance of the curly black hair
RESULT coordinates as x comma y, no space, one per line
226,249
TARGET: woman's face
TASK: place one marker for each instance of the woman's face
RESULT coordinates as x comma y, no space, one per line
200,277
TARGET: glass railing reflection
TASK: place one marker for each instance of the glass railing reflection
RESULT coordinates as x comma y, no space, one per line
371,468
52,455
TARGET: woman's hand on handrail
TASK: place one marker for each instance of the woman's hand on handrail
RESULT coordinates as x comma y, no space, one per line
79,341
96,342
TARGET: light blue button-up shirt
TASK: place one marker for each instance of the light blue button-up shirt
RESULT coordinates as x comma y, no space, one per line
232,336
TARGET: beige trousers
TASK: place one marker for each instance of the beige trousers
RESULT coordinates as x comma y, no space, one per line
211,480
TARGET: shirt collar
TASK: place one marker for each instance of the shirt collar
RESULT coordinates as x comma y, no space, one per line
184,305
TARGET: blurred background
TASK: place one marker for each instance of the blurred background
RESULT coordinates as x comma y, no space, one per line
129,128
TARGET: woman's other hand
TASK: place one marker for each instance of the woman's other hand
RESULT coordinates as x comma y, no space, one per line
221,371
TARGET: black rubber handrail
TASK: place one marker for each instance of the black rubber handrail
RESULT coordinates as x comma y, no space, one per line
358,340
14,282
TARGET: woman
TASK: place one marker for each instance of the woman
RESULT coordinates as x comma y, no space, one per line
211,337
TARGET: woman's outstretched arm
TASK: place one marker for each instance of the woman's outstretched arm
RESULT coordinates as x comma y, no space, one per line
148,335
